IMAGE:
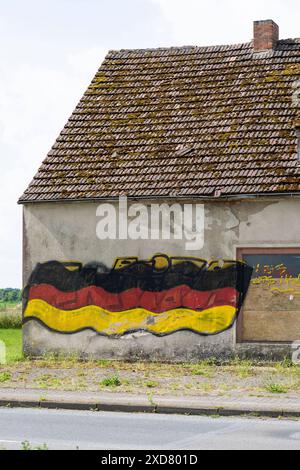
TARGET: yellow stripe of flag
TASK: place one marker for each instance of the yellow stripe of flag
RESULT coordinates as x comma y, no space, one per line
211,321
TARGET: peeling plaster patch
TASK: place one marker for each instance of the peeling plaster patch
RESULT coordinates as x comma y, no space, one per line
232,222
244,210
221,230
265,223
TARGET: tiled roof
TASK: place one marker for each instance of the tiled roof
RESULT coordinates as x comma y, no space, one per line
188,121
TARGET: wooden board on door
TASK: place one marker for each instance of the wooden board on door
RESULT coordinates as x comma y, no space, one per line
271,311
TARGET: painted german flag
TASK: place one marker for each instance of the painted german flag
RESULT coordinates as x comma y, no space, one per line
160,296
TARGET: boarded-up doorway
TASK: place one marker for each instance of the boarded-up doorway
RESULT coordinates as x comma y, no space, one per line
271,311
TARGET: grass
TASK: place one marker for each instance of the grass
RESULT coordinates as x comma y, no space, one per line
244,368
70,372
5,305
112,381
151,400
12,339
276,388
104,363
10,316
10,322
47,381
27,446
202,371
5,377
287,363
151,384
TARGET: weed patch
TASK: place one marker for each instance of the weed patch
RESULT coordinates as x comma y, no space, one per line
112,381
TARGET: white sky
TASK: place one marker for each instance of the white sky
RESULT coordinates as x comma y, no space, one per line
49,52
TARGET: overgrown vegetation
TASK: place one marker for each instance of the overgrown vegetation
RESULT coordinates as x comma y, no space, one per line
10,308
60,372
11,319
236,378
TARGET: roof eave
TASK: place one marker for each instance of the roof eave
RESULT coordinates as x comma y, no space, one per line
153,197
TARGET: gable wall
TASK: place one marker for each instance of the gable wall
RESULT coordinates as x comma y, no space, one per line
68,232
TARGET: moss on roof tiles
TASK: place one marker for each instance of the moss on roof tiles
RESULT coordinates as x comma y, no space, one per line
233,109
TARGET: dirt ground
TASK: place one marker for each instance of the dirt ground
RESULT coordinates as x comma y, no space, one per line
238,378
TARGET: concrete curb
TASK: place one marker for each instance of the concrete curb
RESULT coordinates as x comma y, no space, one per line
130,406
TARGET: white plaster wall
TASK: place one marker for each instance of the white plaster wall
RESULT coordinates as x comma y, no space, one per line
68,232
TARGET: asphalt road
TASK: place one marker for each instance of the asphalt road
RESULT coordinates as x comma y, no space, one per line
99,430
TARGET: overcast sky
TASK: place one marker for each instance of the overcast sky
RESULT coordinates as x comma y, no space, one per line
49,52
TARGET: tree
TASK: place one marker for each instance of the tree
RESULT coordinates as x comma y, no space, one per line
10,295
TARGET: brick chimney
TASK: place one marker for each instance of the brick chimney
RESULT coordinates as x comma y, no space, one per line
266,35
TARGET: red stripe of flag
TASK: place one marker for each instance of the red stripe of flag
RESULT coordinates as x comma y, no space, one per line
156,302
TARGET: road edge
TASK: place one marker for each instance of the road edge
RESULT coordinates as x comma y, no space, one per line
110,406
